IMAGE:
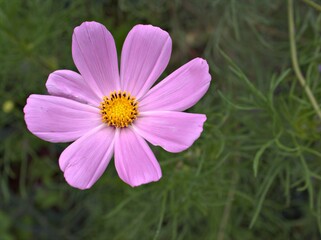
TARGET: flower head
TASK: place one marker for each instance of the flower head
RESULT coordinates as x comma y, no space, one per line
109,113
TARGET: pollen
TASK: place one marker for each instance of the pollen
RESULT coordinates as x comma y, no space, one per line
119,109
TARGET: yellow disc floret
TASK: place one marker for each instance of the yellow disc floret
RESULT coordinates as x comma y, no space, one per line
119,109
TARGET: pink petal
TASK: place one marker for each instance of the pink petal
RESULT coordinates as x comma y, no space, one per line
85,160
180,90
57,119
173,131
94,53
145,55
134,160
69,84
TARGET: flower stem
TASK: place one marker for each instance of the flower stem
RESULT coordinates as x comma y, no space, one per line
161,219
295,63
228,207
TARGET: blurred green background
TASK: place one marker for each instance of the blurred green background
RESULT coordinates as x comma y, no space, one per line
255,172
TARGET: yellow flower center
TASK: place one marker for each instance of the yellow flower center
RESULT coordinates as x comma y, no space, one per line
119,109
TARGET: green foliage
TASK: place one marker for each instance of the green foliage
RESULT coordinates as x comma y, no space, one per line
254,173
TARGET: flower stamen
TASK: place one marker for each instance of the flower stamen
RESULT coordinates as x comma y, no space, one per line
119,109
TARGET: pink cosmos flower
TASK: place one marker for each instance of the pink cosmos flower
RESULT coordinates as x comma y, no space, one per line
106,112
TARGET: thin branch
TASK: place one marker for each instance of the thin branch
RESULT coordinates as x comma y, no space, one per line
313,4
295,63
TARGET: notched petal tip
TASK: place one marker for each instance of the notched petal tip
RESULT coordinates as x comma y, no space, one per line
75,184
203,63
142,27
26,106
134,185
203,119
87,24
79,184
26,110
160,31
